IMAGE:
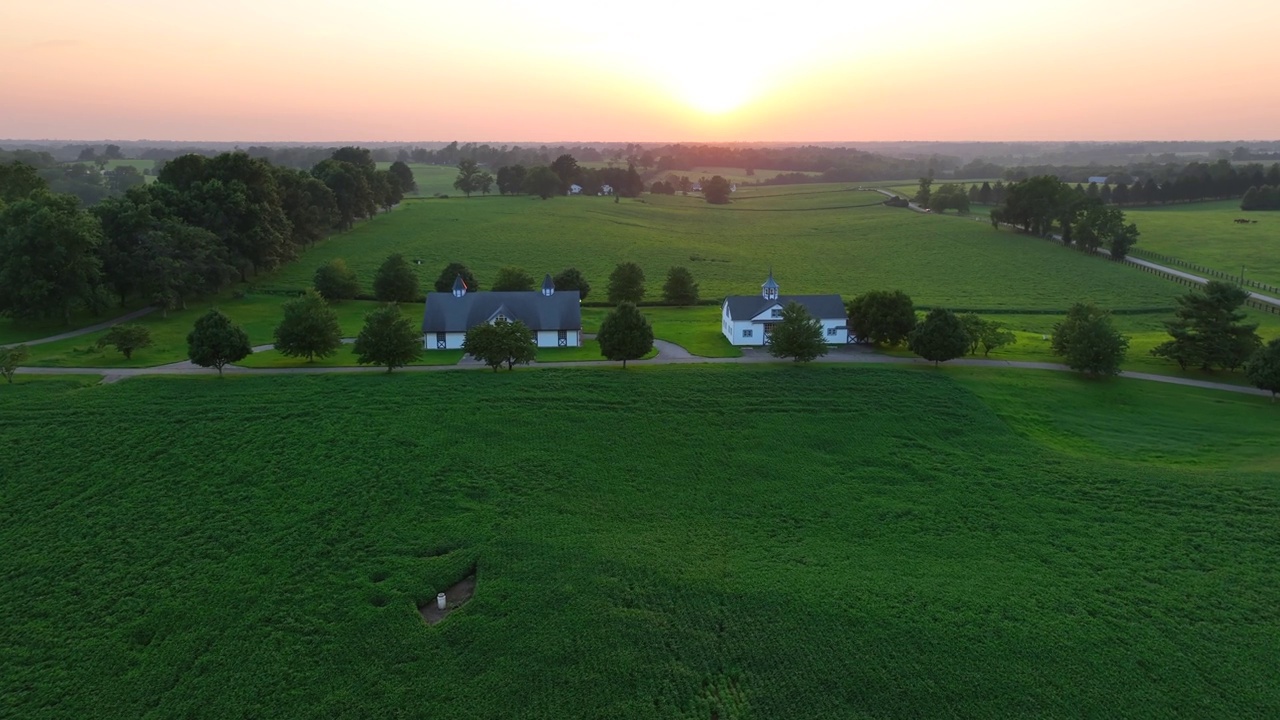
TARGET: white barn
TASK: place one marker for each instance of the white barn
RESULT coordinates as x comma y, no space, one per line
748,319
555,318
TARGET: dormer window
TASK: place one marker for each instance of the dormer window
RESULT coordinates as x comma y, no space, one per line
500,318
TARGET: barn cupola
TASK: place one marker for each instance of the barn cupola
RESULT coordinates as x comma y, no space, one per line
548,287
769,290
459,287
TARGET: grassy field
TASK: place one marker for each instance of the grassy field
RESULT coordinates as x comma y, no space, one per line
704,542
257,314
1204,233
730,249
431,179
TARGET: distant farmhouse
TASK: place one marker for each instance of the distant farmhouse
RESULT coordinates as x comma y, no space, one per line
748,319
1101,180
555,318
575,189
606,189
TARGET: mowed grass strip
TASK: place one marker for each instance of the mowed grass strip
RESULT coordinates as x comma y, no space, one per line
796,542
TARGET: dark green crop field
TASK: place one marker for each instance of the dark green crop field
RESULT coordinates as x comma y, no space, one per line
712,542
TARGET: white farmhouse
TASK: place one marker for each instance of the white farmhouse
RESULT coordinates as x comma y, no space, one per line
748,319
575,189
555,318
1099,179
606,189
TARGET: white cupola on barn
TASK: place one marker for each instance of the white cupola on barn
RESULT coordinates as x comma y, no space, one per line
548,287
459,287
769,290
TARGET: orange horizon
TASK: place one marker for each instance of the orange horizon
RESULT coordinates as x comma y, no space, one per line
307,72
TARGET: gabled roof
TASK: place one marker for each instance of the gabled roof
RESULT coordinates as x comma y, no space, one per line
446,313
825,307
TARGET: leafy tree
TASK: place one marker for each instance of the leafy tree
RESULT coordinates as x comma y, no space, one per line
309,329
126,338
625,334
17,181
484,183
994,336
468,180
572,279
511,179
123,177
501,342
217,342
404,176
335,281
1098,224
444,283
396,281
1250,199
388,339
797,336
884,317
235,197
626,283
949,197
11,358
1088,342
716,190
984,193
1263,369
512,279
543,182
352,192
309,205
567,170
1105,195
924,193
939,337
1207,331
49,259
680,289
973,329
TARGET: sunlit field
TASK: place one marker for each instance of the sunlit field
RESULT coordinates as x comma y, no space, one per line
431,179
815,241
712,542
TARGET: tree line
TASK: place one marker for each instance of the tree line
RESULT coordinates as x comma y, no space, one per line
1043,204
557,177
204,223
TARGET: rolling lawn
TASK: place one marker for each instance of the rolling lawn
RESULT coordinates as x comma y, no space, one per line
1204,233
729,249
431,179
711,542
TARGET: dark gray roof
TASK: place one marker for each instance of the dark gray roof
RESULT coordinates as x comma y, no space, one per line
745,307
446,313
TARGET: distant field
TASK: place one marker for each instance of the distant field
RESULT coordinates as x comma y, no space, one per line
711,542
1204,233
432,179
733,175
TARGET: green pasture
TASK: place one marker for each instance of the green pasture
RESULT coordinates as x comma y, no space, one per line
257,314
1204,233
720,541
811,241
431,179
1144,331
734,175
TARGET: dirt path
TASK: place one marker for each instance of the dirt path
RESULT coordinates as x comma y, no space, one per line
668,354
88,330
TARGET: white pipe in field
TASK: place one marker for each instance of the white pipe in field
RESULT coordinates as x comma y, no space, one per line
440,601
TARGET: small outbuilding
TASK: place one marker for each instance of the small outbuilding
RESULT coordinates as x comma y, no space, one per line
555,318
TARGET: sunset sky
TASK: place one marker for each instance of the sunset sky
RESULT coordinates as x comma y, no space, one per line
653,70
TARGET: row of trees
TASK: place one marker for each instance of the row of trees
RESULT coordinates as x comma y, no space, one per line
546,181
1043,204
202,224
1266,197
